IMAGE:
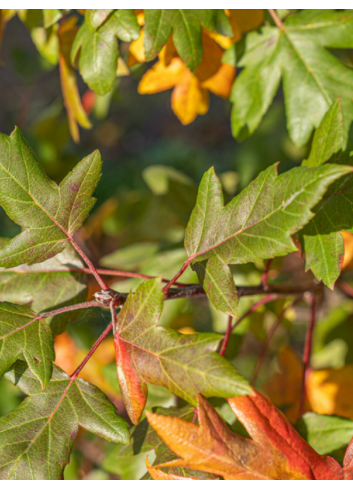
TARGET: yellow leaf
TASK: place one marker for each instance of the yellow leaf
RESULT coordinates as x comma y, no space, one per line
168,52
161,77
189,99
221,83
122,69
348,249
75,112
244,20
211,59
224,41
140,15
136,51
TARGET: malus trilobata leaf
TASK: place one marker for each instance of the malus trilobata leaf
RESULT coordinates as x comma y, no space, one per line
48,213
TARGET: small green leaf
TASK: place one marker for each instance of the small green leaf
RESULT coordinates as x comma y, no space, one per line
328,138
96,41
49,214
46,286
256,225
37,437
22,334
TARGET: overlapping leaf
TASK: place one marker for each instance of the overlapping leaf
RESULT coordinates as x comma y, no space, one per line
276,451
22,334
97,43
257,224
46,286
322,243
37,437
49,214
185,364
313,78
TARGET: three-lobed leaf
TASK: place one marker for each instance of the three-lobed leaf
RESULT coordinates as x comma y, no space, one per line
256,225
313,78
36,438
184,364
21,333
48,213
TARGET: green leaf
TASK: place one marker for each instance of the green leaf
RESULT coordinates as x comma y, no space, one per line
49,214
186,25
256,225
46,286
37,437
52,15
328,435
184,364
321,241
22,334
313,78
97,43
328,138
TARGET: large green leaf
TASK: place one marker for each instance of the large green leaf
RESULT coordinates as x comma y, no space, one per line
49,214
21,334
98,46
186,25
322,243
313,78
328,435
184,364
256,225
37,437
46,286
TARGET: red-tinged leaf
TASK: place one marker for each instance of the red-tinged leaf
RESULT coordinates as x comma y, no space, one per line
160,475
184,364
348,462
276,451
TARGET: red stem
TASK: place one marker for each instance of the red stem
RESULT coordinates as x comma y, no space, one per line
348,289
256,306
175,278
276,19
264,277
226,336
268,339
101,282
307,352
90,353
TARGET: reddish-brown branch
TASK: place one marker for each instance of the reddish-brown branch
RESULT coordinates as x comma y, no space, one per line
264,277
256,306
90,353
307,352
226,336
268,340
175,278
348,289
99,279
276,19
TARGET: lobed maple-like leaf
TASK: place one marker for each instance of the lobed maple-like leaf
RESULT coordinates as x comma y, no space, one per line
186,25
48,213
313,78
275,452
46,286
97,47
257,224
322,243
37,437
184,364
21,334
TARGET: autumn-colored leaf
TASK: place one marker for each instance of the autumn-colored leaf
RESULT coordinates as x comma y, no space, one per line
75,112
276,451
244,20
184,364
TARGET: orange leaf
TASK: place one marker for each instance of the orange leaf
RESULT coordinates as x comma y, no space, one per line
276,451
161,77
159,475
348,249
221,83
211,59
75,112
168,52
136,51
244,20
189,99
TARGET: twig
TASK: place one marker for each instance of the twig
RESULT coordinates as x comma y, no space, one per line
90,353
226,336
268,339
276,19
307,352
264,277
175,278
113,313
256,306
99,279
348,289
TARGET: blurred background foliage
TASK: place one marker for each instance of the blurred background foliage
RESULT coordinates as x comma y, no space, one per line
152,167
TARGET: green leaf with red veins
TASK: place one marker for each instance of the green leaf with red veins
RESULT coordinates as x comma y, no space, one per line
48,213
37,437
256,225
22,334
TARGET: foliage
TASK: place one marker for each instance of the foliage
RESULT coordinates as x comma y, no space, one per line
216,295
